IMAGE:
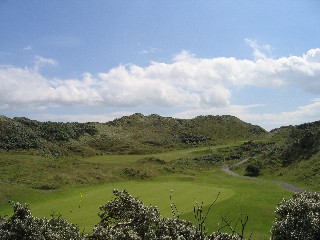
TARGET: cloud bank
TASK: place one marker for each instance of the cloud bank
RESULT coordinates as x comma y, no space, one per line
196,84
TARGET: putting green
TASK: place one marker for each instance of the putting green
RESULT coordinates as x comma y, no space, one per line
83,211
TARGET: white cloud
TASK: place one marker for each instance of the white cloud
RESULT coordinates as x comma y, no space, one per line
303,114
313,55
259,52
27,88
41,61
198,85
82,117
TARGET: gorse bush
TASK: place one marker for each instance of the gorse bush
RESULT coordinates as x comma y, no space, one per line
298,218
23,226
127,218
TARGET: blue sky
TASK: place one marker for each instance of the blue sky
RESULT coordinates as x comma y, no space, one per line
96,60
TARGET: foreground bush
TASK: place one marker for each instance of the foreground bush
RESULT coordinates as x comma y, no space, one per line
126,217
298,217
23,226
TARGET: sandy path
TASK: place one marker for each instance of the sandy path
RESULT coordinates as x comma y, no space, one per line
285,185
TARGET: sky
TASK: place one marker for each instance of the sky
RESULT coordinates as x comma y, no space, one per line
98,60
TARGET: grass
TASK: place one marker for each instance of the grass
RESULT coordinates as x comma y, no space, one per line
237,196
189,181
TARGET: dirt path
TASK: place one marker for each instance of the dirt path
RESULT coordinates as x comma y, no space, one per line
285,185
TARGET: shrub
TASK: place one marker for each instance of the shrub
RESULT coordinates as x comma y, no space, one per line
23,226
298,217
123,218
126,217
253,170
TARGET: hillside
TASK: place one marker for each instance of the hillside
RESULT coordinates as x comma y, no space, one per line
292,153
133,134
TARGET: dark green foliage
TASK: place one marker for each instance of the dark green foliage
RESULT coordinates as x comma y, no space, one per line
17,136
252,170
298,218
23,226
48,138
58,131
301,144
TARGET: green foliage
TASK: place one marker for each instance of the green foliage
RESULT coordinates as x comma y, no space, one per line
126,217
135,134
48,138
253,170
22,225
301,144
16,136
298,218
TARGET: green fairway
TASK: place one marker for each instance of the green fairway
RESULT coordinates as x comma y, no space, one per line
237,197
189,181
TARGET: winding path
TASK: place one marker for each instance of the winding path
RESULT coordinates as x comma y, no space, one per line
285,185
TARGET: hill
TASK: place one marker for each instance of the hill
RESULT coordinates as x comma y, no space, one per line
135,134
292,154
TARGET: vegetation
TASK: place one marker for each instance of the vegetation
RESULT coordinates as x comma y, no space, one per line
126,217
48,164
23,225
288,154
135,134
298,217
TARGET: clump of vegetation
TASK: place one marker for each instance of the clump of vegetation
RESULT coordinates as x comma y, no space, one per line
23,225
298,217
126,217
253,169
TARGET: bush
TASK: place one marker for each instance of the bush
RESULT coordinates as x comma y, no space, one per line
123,218
298,217
23,226
252,170
128,218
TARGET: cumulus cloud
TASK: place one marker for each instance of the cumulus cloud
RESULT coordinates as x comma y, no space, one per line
303,114
198,85
313,55
82,117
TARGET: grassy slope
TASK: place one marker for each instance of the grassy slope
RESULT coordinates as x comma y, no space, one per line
238,196
294,155
135,134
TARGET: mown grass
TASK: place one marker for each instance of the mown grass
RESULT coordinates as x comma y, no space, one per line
237,198
188,180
